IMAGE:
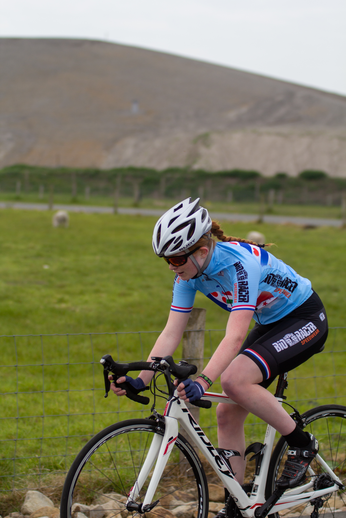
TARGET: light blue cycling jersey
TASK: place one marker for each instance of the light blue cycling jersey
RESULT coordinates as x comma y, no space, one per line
241,276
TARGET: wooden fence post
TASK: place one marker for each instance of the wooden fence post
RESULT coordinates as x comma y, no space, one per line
116,195
51,196
193,346
343,210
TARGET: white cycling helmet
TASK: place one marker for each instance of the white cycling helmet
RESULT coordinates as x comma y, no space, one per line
180,228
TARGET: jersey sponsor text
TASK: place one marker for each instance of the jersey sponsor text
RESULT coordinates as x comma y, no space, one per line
275,279
243,285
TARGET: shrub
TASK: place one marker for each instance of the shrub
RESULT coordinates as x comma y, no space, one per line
310,174
240,174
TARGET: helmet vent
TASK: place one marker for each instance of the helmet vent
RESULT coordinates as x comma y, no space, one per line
204,215
178,208
167,245
194,208
192,229
191,223
158,236
178,245
172,221
181,227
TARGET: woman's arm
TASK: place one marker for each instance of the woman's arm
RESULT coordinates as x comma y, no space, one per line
237,327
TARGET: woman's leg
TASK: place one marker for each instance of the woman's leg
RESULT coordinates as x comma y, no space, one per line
263,356
240,382
230,422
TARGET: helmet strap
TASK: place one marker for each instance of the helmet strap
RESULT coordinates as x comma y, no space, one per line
200,269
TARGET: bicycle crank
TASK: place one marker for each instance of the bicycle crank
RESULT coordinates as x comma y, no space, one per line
140,508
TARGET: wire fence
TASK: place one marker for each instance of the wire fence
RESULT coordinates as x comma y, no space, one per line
45,185
52,396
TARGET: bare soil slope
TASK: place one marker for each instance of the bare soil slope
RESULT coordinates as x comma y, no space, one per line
89,103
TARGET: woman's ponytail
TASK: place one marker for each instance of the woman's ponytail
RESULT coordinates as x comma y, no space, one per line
217,231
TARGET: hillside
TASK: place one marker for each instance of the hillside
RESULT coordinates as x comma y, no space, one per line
97,104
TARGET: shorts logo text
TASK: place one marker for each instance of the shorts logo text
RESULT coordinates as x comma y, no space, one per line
303,335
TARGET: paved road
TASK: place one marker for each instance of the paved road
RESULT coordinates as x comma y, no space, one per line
296,220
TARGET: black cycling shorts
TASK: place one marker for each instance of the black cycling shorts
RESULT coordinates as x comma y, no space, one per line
283,345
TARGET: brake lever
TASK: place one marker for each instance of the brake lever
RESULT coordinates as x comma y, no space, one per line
107,382
130,392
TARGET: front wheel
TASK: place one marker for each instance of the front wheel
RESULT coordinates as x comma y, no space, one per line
106,469
328,424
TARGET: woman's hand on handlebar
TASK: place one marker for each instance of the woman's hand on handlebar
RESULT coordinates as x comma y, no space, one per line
137,384
190,390
118,391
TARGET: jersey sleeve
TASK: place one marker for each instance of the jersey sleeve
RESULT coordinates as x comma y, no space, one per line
183,296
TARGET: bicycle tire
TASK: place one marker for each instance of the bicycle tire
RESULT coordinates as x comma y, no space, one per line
328,424
108,464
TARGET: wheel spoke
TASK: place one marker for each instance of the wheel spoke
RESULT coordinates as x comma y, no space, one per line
114,460
327,424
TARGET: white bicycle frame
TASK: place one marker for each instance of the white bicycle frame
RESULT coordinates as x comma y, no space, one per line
176,413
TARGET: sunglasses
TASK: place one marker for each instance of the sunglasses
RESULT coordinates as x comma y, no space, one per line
179,260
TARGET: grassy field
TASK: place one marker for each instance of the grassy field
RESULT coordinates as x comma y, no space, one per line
100,275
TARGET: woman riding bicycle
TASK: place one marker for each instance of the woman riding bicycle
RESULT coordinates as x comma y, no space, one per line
248,282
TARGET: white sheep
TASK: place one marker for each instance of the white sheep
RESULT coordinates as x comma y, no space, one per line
257,237
61,219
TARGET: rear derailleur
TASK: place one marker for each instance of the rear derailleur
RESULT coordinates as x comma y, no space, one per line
322,482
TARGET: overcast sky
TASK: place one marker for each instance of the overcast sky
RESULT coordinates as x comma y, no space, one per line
302,41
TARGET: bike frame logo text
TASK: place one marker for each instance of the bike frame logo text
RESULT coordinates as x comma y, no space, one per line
220,463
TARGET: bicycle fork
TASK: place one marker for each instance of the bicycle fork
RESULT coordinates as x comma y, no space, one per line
159,451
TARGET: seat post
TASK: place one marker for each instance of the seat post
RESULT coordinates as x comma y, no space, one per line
281,385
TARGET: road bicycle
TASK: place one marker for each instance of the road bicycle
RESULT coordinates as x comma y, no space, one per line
147,467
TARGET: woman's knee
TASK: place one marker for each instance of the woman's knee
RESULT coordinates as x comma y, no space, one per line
232,385
241,373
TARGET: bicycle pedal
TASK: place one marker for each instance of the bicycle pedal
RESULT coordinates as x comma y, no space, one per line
139,508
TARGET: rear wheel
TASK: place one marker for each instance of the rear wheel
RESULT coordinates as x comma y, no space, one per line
328,424
106,469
